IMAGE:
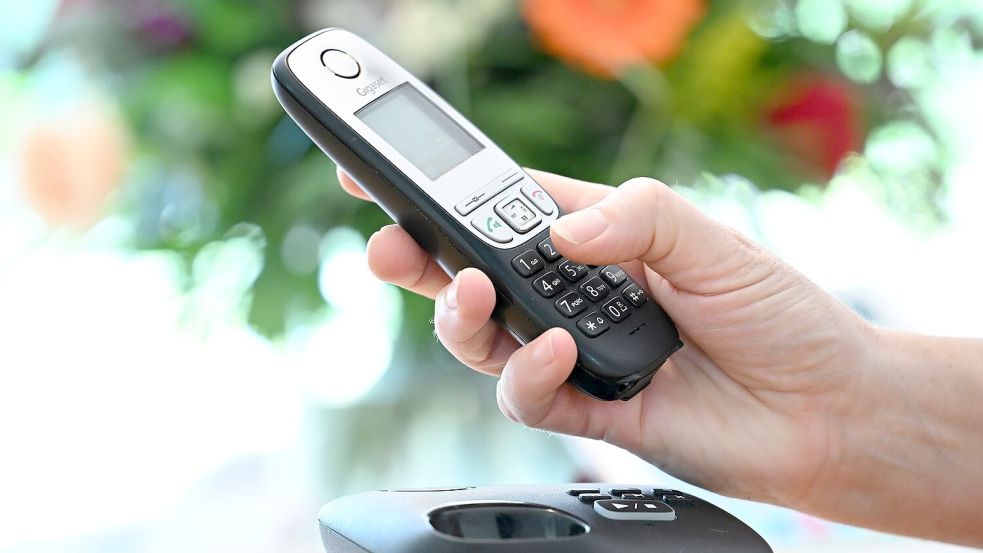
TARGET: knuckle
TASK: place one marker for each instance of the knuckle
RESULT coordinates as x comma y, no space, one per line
641,194
444,330
471,350
645,185
473,356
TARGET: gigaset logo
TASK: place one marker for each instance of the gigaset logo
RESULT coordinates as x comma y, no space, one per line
371,87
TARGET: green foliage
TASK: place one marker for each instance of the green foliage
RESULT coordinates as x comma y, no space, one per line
216,151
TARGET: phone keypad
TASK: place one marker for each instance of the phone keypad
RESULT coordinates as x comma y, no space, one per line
608,287
573,288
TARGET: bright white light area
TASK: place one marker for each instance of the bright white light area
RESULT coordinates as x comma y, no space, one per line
345,352
847,240
109,413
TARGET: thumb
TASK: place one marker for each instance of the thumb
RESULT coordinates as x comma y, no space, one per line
644,219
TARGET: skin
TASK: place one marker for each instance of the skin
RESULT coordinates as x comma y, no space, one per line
781,393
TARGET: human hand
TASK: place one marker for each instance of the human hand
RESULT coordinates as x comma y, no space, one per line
749,408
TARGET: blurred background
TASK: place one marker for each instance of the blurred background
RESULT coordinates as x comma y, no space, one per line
194,356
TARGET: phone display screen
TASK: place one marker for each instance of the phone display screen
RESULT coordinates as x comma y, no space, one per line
419,131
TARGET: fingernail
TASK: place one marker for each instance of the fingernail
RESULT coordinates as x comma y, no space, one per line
450,296
543,354
581,226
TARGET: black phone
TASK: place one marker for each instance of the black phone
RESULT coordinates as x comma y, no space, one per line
469,205
557,518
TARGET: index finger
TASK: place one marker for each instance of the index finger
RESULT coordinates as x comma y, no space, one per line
349,185
571,194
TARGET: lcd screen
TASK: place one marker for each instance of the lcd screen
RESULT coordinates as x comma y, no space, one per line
419,131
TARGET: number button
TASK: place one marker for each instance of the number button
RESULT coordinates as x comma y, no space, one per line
593,325
572,271
635,295
616,310
549,285
548,250
527,263
571,305
614,275
595,289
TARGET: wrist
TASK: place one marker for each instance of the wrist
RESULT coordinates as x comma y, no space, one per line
848,401
897,460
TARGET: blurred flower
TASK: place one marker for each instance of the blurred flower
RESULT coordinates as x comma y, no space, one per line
70,164
817,120
604,37
160,26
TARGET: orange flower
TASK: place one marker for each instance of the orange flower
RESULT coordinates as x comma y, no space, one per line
71,164
604,37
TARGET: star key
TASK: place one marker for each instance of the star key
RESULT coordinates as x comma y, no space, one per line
594,324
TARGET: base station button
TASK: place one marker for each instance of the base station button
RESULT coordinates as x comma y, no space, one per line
646,510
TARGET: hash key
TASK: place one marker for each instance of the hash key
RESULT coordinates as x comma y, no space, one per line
635,295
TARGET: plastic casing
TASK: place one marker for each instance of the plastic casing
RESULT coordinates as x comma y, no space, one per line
399,522
616,365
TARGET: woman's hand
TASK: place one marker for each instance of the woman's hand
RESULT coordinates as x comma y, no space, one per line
744,409
779,392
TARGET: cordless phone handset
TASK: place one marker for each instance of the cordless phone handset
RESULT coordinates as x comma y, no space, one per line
469,205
